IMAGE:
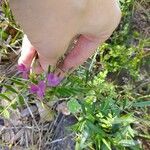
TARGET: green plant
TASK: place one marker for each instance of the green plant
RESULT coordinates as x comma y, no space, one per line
120,52
102,122
10,33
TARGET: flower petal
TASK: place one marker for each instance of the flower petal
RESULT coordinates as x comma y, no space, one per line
41,89
53,80
33,89
42,86
22,68
40,94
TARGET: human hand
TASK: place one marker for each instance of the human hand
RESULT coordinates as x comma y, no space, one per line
50,27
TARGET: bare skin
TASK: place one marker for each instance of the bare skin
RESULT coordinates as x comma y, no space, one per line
50,25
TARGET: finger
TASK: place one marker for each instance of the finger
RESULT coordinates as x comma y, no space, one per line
84,48
27,52
41,64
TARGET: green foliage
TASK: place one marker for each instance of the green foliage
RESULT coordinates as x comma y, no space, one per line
13,95
119,52
10,34
73,106
103,122
142,104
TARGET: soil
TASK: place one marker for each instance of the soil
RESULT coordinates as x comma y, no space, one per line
63,138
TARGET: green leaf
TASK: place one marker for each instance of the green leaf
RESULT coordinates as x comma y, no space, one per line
142,104
73,106
124,119
20,100
6,114
64,91
3,34
9,87
94,129
18,82
106,143
1,109
128,143
14,105
3,96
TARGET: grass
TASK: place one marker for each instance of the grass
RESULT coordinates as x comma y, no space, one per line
110,99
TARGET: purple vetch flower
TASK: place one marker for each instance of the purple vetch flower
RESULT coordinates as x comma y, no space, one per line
33,88
53,80
38,89
24,70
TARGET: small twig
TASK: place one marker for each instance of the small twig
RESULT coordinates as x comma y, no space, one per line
59,140
93,59
32,115
50,129
142,84
26,139
12,128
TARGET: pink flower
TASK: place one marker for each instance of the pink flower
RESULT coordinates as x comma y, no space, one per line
24,70
53,80
38,89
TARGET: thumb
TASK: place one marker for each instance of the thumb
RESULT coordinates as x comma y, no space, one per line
27,53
